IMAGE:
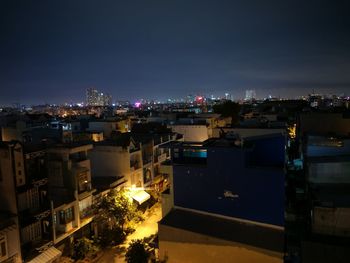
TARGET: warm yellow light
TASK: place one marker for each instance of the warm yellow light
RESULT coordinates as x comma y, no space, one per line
292,131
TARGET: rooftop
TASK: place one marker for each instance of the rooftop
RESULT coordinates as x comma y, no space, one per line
230,230
106,182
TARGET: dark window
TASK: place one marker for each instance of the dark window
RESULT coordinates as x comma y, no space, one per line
62,217
66,216
69,214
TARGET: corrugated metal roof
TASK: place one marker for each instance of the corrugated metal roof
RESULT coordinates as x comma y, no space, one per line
47,256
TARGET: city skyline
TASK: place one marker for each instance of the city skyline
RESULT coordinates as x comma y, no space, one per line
106,99
54,51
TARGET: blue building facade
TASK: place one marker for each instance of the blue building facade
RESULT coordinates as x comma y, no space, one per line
242,181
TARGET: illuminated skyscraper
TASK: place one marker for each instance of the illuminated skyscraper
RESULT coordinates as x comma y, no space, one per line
92,97
96,98
250,95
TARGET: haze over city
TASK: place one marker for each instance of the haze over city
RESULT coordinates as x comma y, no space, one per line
51,52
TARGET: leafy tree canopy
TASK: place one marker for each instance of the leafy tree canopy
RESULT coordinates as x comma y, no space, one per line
137,252
228,109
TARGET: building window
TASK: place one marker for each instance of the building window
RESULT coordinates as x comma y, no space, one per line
69,214
3,248
83,182
66,216
147,175
28,199
62,217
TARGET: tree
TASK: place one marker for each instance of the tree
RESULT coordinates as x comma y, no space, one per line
117,209
84,247
228,109
137,252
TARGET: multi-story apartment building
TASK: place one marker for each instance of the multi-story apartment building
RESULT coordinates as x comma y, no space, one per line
131,160
34,128
24,193
225,193
327,167
96,98
10,250
69,174
109,127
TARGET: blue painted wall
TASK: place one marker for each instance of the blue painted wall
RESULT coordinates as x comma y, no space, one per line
260,190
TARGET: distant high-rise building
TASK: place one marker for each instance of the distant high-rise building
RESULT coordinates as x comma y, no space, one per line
228,96
250,95
92,97
96,98
107,100
190,98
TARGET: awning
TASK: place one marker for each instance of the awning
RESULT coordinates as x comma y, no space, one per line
47,256
140,196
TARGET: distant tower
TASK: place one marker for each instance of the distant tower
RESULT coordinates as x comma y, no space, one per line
250,95
107,100
92,97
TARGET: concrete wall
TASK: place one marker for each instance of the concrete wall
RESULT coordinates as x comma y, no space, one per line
228,185
10,133
109,161
13,243
324,123
192,133
254,194
329,172
331,221
7,184
105,127
168,196
182,246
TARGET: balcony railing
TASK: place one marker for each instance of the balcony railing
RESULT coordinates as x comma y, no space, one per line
87,212
147,159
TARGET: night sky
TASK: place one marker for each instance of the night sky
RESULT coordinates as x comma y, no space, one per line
51,51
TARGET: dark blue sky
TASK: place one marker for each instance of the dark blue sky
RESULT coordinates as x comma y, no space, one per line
51,51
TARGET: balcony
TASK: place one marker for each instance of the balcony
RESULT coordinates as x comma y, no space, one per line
81,163
86,213
64,228
85,190
160,158
147,159
78,157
